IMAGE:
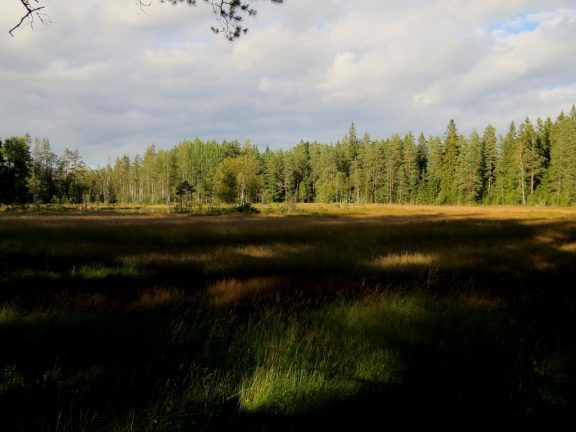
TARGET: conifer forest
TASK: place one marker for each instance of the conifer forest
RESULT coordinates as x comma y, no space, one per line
532,163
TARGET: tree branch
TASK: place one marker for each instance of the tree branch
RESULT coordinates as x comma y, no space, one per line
30,11
229,14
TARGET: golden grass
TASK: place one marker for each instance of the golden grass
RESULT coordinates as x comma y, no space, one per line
232,290
408,213
288,313
161,297
415,213
568,247
402,261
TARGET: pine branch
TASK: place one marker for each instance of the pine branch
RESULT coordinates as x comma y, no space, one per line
229,14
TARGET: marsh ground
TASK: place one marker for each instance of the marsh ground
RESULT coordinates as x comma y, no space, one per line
365,317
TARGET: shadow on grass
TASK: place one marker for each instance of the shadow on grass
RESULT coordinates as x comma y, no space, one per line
122,254
369,362
287,325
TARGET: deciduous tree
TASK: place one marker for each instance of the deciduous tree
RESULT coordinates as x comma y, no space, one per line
17,165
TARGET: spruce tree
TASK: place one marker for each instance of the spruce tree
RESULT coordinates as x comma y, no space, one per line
509,170
448,189
392,168
422,151
561,176
410,169
359,177
326,186
489,161
469,170
434,171
374,168
532,159
273,176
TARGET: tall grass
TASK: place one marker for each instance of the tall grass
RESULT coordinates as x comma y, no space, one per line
366,317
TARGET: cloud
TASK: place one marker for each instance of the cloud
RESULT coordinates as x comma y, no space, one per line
108,78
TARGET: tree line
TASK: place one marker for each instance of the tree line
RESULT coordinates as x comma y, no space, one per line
534,163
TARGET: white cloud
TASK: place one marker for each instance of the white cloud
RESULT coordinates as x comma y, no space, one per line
107,78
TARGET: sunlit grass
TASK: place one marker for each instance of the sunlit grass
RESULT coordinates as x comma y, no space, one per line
227,291
305,366
95,272
345,350
8,313
371,313
402,261
162,297
568,247
223,259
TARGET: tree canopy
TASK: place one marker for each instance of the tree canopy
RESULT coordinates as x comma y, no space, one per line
229,14
532,164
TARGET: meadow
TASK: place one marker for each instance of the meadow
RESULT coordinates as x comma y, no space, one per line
332,317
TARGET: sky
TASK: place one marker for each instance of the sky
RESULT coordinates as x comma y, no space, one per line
109,79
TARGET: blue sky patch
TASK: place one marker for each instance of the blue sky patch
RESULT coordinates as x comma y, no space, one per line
320,25
521,23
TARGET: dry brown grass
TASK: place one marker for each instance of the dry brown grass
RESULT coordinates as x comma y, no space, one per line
171,322
385,212
227,291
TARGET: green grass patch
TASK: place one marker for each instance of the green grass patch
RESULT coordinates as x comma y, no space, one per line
288,320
